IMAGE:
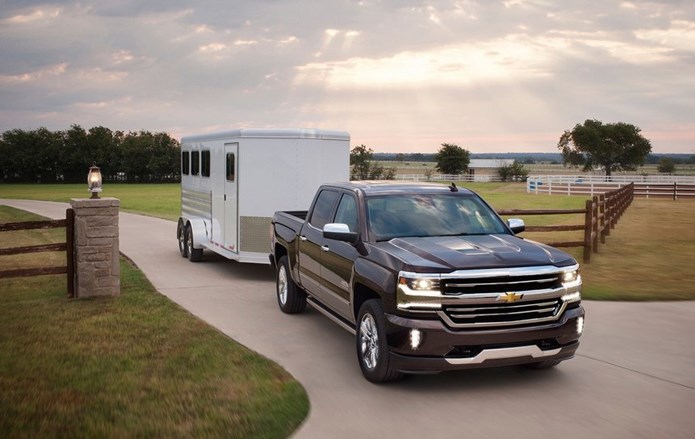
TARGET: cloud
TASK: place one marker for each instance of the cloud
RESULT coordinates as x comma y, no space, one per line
398,74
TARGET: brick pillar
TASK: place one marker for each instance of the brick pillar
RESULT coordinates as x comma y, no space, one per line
97,269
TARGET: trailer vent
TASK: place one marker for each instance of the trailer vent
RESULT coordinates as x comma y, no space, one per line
254,234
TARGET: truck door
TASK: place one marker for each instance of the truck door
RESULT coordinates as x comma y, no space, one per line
231,197
338,259
311,241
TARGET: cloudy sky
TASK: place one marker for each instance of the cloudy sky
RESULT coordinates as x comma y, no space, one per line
399,75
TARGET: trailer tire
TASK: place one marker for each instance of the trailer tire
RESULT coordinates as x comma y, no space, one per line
291,298
181,238
194,254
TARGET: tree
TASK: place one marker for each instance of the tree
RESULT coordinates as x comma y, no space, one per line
613,146
666,166
514,172
452,159
362,166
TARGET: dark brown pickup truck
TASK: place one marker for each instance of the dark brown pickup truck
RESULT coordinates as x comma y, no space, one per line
429,278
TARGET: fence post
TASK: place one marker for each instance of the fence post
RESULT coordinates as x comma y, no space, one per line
675,191
595,223
70,250
587,232
602,217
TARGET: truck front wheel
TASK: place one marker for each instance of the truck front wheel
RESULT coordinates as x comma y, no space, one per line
372,348
291,299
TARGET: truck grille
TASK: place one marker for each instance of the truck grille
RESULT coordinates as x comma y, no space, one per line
501,284
503,314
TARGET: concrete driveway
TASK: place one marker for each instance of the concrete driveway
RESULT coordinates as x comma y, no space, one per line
633,377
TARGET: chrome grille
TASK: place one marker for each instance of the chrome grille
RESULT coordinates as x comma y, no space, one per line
503,314
501,284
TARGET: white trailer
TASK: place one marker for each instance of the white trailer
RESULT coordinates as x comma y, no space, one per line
233,182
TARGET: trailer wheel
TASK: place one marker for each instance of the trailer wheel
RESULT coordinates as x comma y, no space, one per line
181,238
372,347
194,254
291,298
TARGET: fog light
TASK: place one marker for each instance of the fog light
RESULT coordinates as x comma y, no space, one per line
580,325
415,339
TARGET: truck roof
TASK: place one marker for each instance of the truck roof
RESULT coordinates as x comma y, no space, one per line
380,187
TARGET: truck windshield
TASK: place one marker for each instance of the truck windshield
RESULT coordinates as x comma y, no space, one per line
399,216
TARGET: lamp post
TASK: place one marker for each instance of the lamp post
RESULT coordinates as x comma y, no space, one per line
94,181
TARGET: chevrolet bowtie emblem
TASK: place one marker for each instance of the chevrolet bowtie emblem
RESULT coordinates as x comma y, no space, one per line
510,297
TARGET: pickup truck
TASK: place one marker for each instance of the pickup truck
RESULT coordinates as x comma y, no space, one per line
428,278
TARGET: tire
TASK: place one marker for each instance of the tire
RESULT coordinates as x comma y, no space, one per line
371,344
291,298
543,364
194,254
181,238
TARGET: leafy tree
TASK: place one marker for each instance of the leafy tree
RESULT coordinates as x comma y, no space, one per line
363,168
613,146
514,172
666,166
452,159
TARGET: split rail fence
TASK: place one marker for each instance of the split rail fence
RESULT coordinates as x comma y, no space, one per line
601,214
67,246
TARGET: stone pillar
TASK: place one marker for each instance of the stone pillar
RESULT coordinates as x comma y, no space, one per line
97,269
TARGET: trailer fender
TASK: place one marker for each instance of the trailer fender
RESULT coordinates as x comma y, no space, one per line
200,232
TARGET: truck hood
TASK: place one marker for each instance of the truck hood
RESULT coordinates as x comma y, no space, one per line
449,253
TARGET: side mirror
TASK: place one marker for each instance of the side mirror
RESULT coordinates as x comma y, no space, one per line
517,225
340,232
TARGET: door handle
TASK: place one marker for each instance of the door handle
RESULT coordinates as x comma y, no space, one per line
325,248
302,237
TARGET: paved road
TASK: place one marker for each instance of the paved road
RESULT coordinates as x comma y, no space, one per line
634,375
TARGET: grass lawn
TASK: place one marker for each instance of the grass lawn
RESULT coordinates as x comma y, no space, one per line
133,366
160,200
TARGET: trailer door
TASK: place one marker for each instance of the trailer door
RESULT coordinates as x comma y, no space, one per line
231,197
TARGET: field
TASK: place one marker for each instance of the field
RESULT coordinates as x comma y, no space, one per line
133,366
647,257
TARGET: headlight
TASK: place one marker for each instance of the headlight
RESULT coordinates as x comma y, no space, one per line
573,297
570,276
418,291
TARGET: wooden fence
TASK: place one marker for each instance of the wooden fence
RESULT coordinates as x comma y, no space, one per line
67,246
601,214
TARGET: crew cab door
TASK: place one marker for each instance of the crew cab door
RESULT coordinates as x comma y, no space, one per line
338,260
311,242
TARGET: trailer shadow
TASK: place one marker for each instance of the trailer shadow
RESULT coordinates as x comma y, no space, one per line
237,270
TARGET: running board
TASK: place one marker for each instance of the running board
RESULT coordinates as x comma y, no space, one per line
339,321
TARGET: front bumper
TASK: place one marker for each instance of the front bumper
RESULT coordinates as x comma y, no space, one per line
442,349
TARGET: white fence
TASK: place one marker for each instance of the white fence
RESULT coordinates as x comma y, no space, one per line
449,177
671,186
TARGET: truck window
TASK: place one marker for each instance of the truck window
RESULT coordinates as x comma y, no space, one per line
347,212
195,163
185,162
205,163
323,208
230,167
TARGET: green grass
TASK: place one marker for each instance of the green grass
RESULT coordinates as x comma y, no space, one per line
132,366
160,200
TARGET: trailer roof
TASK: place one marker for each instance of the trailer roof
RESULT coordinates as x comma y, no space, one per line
270,133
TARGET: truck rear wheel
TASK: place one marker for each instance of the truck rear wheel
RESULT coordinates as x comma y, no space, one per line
291,299
372,347
194,254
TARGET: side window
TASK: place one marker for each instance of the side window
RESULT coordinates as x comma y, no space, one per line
230,167
195,163
323,208
185,162
347,212
205,163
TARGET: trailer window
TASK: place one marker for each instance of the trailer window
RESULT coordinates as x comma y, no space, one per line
185,162
205,163
195,163
230,167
